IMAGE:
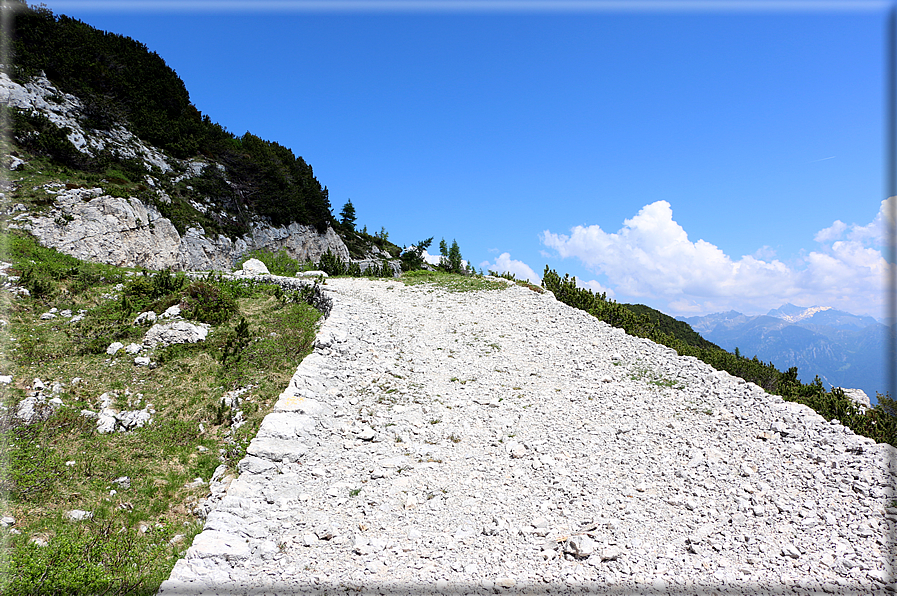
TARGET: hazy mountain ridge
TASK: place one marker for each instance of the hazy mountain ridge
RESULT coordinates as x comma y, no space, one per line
844,349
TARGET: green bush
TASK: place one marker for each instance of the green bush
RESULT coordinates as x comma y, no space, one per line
45,271
209,303
331,264
90,557
413,258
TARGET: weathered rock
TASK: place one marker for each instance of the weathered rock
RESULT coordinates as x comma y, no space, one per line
178,332
255,267
78,515
580,546
858,396
131,419
36,407
219,544
100,228
145,318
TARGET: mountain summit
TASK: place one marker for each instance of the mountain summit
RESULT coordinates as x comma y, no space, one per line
821,315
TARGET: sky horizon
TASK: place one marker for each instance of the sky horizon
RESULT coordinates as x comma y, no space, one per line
694,157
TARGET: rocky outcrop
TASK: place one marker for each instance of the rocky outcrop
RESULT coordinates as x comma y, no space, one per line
859,397
303,243
91,226
64,110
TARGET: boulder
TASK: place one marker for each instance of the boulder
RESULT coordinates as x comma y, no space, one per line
580,546
858,396
255,267
178,332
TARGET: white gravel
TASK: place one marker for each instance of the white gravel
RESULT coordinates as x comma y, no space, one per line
502,442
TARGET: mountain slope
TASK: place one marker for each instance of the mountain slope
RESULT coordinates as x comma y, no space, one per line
100,125
118,85
667,324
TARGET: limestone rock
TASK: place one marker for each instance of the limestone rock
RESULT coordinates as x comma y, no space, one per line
178,332
145,318
104,229
580,546
255,267
212,543
859,397
78,515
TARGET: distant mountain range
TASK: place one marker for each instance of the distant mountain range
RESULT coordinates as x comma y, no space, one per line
844,349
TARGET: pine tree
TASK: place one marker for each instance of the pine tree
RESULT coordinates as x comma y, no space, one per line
454,258
347,215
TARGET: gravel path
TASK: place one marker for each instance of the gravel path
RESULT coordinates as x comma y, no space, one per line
501,442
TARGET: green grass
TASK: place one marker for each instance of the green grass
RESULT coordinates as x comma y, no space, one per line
450,282
136,533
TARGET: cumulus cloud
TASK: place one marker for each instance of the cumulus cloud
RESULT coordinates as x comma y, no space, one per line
831,233
652,257
595,287
505,264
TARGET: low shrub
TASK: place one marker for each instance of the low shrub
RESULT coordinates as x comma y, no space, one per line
209,303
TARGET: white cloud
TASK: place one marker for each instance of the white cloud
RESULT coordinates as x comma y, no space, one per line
596,287
831,233
505,264
652,257
765,252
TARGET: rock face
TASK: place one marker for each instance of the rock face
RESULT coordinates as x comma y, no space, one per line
128,233
859,397
90,226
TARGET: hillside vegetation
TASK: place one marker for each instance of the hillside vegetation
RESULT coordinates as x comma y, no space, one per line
666,324
142,487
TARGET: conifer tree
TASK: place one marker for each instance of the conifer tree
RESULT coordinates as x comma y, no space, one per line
347,215
454,258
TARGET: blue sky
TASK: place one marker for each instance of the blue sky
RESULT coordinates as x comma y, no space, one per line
695,160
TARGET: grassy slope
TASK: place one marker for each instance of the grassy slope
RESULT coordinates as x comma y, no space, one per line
63,463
